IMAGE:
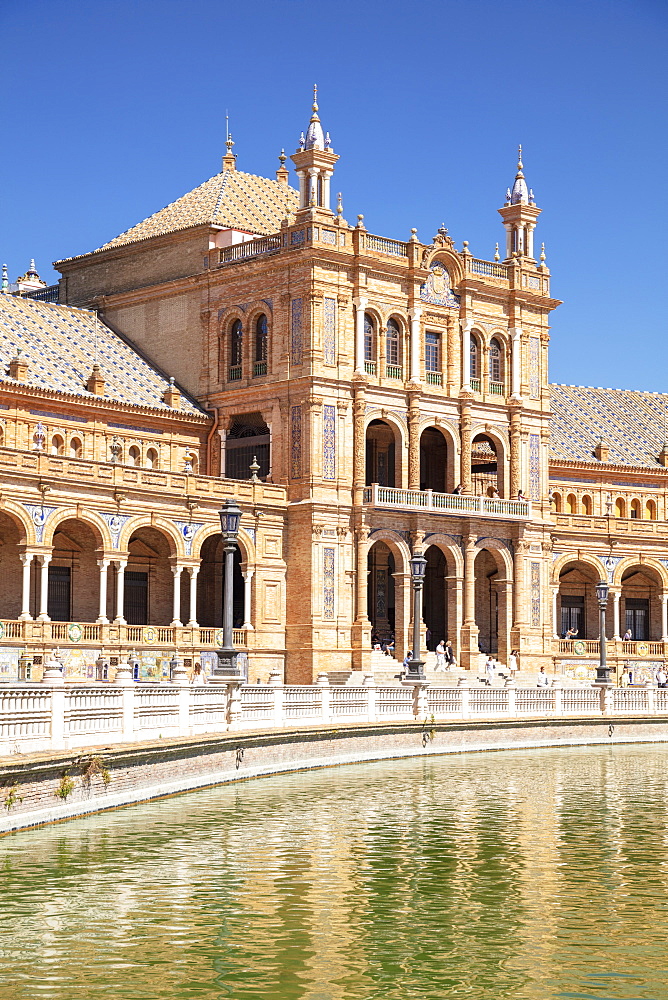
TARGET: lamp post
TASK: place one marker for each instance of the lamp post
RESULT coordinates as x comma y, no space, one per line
418,567
230,516
602,671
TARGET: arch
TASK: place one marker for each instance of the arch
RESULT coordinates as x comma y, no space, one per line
236,339
556,500
587,504
247,438
563,560
73,573
57,445
436,465
152,460
475,338
397,546
370,337
22,520
576,613
90,518
620,507
261,327
381,454
636,510
210,583
450,261
246,544
646,564
487,465
394,335
11,569
641,583
450,548
500,553
496,362
134,455
571,504
177,546
650,510
76,448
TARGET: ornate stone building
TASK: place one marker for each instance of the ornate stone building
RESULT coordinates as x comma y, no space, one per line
384,396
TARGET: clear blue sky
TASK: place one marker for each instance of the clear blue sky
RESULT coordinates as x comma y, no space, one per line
114,109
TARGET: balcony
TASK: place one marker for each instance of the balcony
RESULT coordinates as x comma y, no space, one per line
434,378
617,649
78,634
394,371
370,367
446,503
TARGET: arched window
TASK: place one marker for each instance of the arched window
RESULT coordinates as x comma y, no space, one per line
76,448
260,345
134,455
650,511
369,340
571,504
586,505
236,350
495,365
635,508
620,508
392,352
2,436
475,358
57,445
556,500
151,459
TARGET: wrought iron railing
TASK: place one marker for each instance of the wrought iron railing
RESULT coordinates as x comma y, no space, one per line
235,373
48,294
259,368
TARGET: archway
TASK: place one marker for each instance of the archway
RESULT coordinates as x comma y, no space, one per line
247,438
433,460
73,574
577,607
484,467
640,604
435,602
148,589
488,597
381,603
210,585
10,566
380,454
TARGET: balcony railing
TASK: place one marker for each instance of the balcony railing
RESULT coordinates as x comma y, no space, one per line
235,373
434,378
476,385
487,268
497,389
393,248
370,367
259,368
445,503
616,648
48,294
252,248
78,634
394,371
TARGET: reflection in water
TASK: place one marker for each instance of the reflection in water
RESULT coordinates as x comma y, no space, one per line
524,875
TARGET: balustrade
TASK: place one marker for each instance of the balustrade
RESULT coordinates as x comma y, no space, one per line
446,503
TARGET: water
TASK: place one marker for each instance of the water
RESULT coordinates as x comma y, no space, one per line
526,875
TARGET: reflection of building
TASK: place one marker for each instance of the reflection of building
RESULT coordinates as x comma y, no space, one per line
368,378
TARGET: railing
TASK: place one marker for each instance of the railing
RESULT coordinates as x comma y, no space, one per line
487,268
393,248
497,389
370,367
394,371
235,373
476,385
36,717
252,248
445,503
434,378
259,368
579,647
48,294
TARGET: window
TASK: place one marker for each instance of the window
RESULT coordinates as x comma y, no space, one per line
59,592
572,615
586,505
134,455
650,511
76,448
260,339
369,337
236,344
637,617
495,362
556,500
151,459
57,445
475,360
432,356
635,508
571,504
620,508
135,598
392,342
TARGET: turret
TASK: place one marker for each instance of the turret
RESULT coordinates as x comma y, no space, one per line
314,162
519,215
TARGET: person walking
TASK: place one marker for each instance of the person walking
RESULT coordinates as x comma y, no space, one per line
490,670
543,679
450,658
198,677
440,656
512,663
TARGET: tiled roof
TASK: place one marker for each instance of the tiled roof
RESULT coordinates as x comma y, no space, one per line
230,199
630,422
60,345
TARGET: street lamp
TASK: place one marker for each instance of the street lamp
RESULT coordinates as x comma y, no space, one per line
230,516
602,671
418,567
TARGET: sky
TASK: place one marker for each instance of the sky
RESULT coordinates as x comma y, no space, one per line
114,108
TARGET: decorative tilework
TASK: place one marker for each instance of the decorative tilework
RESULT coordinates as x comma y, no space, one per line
115,522
329,442
296,330
535,593
611,564
381,593
187,530
328,583
296,444
534,368
437,289
328,237
38,516
329,332
534,466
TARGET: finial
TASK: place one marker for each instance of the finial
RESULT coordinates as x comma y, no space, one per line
497,255
32,264
520,165
5,278
339,205
360,222
328,141
315,98
414,238
282,157
229,142
254,468
465,246
302,140
507,196
532,200
543,258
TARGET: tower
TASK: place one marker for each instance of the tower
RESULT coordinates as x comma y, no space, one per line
314,162
519,215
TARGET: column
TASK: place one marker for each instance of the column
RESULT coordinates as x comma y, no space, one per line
44,590
469,580
359,444
362,574
515,451
413,442
26,559
555,610
516,363
102,616
415,313
664,617
360,305
465,457
193,571
120,591
520,596
326,177
616,598
466,325
176,596
248,579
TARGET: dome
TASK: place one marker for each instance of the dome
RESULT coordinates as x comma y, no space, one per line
520,193
315,137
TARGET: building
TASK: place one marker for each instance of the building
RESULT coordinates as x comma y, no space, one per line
363,397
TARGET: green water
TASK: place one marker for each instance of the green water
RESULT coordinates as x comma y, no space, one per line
526,875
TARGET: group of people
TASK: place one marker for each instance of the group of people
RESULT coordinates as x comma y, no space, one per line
493,667
493,492
383,645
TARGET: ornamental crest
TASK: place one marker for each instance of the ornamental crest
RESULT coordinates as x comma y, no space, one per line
437,288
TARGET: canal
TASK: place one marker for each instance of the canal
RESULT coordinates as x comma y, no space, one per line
525,874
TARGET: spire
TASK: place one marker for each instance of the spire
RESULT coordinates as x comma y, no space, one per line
520,193
519,215
282,174
230,159
315,137
314,161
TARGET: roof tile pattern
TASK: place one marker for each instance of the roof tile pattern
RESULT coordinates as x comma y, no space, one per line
231,199
632,423
60,345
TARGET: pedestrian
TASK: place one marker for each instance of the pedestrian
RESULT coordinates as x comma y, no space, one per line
628,635
512,663
440,656
489,670
407,659
520,495
450,655
457,490
624,679
543,679
571,633
198,677
661,678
